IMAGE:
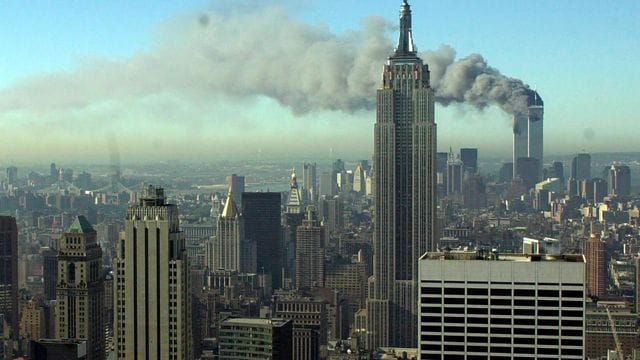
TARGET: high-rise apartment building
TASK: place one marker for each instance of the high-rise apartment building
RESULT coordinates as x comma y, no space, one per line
596,279
261,212
528,132
405,191
310,252
152,305
9,273
79,291
481,305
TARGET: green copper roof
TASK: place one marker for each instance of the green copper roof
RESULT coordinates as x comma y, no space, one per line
81,225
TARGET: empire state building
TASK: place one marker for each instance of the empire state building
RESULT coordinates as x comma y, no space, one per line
405,209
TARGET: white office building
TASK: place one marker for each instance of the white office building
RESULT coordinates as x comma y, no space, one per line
476,305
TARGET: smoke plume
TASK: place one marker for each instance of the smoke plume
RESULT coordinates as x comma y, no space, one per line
265,53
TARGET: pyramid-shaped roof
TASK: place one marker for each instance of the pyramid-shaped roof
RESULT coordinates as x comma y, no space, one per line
81,225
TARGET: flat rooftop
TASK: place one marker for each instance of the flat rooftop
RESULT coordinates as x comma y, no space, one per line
494,256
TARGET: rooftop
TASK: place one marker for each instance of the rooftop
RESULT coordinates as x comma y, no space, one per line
495,256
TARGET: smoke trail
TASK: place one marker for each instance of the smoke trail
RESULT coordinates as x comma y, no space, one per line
305,68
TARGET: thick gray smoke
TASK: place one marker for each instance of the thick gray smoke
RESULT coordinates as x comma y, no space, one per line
265,53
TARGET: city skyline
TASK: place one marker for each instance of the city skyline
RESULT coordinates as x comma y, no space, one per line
75,79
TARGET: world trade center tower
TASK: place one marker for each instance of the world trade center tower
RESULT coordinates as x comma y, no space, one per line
405,192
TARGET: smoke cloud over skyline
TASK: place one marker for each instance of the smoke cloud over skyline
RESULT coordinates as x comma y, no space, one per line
265,53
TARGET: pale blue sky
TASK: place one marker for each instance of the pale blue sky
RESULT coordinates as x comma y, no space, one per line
582,56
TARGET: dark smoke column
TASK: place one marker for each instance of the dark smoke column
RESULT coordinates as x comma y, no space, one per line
405,182
528,132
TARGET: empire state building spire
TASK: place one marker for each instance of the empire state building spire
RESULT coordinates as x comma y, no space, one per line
405,43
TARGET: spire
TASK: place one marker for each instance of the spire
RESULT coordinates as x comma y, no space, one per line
294,179
230,210
405,43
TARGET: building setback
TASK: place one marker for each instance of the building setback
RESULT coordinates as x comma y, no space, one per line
249,339
405,191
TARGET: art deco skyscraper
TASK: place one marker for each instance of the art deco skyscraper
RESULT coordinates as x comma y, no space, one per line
79,290
405,192
152,315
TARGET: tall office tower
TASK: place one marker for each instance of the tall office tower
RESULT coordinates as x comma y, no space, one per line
506,172
359,180
474,194
469,157
528,169
152,315
557,171
455,175
248,339
328,184
79,293
49,272
310,187
581,167
227,246
261,212
338,166
405,191
310,322
9,273
600,188
331,214
528,131
593,250
310,245
481,305
619,180
235,184
12,175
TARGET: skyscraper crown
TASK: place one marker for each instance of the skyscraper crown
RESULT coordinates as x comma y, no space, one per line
405,43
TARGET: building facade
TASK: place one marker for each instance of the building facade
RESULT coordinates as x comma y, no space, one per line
79,290
152,315
596,278
310,253
480,305
9,274
255,339
405,191
528,131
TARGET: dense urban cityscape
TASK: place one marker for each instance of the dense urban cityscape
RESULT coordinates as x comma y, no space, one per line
414,253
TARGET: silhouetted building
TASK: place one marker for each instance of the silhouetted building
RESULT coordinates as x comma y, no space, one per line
474,192
557,171
619,180
261,212
528,169
152,315
12,175
9,273
50,272
328,184
469,157
405,192
506,172
581,167
54,349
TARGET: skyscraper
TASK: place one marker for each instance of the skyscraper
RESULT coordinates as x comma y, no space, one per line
528,131
261,212
152,312
619,180
310,252
9,272
310,186
593,250
581,167
469,157
227,253
405,191
236,185
79,292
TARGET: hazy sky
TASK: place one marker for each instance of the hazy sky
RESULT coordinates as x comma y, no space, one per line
215,79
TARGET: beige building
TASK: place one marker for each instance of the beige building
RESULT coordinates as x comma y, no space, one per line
152,314
79,292
32,320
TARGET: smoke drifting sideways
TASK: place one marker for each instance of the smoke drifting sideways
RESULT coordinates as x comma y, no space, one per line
304,67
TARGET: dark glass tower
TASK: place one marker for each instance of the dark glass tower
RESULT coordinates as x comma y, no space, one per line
405,192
